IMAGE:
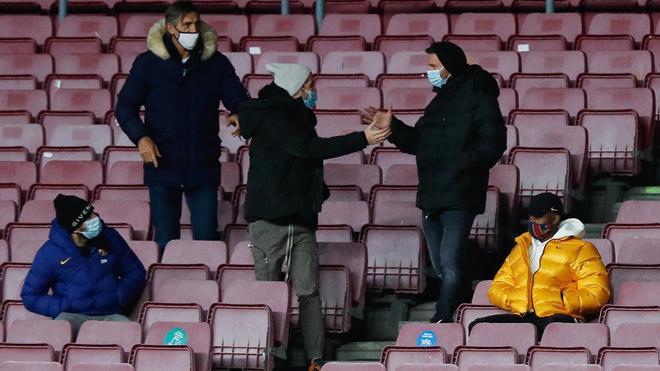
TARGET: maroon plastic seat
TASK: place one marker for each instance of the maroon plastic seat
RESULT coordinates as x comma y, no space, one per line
365,25
524,44
25,239
508,101
394,356
90,366
485,228
371,64
500,24
466,356
105,65
591,82
211,253
591,44
638,250
520,336
137,25
47,154
125,334
96,136
60,47
30,137
353,213
30,366
556,177
233,346
102,27
394,205
571,100
408,63
592,336
480,295
162,357
26,352
636,25
615,316
13,310
353,366
467,313
18,82
636,62
449,336
17,46
13,276
151,313
475,43
364,176
395,258
199,339
506,63
24,174
568,367
125,173
540,355
55,82
633,293
539,118
619,233
389,44
523,82
435,25
605,249
233,26
301,26
242,63
36,27
619,273
15,117
639,212
33,101
74,354
55,333
306,58
568,25
204,293
427,367
636,335
322,45
135,213
409,98
612,358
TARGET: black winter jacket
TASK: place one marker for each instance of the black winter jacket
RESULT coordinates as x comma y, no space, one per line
285,180
458,139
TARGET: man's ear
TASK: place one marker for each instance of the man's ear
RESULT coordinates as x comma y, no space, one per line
170,29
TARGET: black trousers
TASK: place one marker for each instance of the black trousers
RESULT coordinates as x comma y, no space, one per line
539,322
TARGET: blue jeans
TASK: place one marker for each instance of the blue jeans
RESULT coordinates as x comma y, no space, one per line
166,212
447,234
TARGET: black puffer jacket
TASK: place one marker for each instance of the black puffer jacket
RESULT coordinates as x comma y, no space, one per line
285,180
458,139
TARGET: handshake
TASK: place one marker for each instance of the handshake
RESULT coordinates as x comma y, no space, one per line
379,124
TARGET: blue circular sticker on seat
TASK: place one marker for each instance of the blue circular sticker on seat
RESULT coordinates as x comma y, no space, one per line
427,339
176,336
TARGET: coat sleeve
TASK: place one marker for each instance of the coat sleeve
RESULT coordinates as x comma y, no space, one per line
232,91
131,271
503,283
39,280
592,289
131,97
404,137
301,144
490,137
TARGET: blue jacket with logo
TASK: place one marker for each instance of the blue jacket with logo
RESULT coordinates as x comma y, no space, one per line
108,280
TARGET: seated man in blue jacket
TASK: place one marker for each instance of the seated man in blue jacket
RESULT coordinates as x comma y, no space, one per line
91,270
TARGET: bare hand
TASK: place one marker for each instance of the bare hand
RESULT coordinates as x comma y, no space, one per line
383,120
368,115
233,121
375,135
149,151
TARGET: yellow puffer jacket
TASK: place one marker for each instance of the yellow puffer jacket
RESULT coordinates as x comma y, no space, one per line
571,279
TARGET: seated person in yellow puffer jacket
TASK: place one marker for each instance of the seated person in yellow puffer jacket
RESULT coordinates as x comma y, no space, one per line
551,275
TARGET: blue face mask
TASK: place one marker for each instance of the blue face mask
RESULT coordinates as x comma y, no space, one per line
436,78
310,99
93,228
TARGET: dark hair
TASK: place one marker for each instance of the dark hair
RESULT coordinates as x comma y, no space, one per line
178,9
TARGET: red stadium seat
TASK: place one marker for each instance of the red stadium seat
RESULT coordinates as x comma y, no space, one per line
18,82
636,25
523,82
105,65
592,336
353,366
409,98
605,249
636,62
365,25
97,136
572,63
229,25
592,82
301,26
568,25
524,44
408,62
24,174
137,25
30,366
125,334
211,253
435,25
55,333
613,358
466,357
36,27
75,354
371,64
60,47
322,45
505,63
500,24
32,101
255,45
55,82
89,173
620,273
389,45
30,136
364,176
449,336
395,356
632,293
102,27
353,99
162,357
26,352
151,313
135,213
17,46
636,335
199,339
555,179
571,100
37,65
97,101
590,44
475,43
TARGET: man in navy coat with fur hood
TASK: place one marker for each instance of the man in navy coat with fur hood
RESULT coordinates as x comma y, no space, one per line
180,81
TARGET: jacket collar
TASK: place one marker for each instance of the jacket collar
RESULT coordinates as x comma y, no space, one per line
156,45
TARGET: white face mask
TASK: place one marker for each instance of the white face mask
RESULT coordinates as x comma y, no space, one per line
92,228
188,39
436,79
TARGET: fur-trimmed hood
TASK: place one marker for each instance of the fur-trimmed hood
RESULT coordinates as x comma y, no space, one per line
155,40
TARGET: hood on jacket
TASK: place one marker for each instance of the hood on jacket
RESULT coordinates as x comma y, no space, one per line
254,111
483,81
569,228
156,45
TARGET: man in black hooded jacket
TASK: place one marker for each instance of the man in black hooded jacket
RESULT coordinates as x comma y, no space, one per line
458,139
285,188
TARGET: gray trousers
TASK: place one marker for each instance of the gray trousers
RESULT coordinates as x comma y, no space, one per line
76,320
272,245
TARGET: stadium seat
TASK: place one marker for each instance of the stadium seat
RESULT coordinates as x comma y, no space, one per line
539,355
573,138
276,295
121,192
354,257
21,135
568,367
13,276
60,47
36,27
181,291
198,338
480,295
25,239
636,62
18,82
568,25
638,250
508,101
308,59
15,117
389,45
449,336
615,316
500,24
14,310
590,44
33,101
572,63
592,336
371,64
70,154
37,211
614,141
37,65
235,346
24,174
491,367
256,45
233,26
467,313
524,44
394,205
408,63
30,366
146,251
242,63
334,98
334,233
102,27
68,118
571,100
365,25
525,81
89,366
544,118
62,135
353,213
511,141
55,82
74,354
466,356
162,273
137,25
555,178
605,249
636,25
394,356
427,367
49,192
125,334
17,46
639,212
435,25
104,65
475,43
322,45
611,358
301,26
211,253
640,100
619,273
409,98
151,313
18,154
385,158
55,333
135,213
505,63
162,357
633,293
520,336
395,258
26,352
592,82
619,233
125,173
353,366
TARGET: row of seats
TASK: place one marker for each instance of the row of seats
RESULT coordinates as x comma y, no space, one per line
368,26
373,64
483,365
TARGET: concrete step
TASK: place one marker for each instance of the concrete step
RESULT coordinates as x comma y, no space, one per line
422,313
362,350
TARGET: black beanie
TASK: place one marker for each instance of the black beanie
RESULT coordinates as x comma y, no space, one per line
450,55
71,211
